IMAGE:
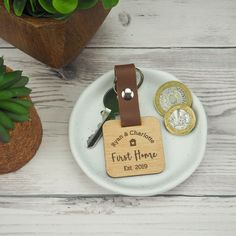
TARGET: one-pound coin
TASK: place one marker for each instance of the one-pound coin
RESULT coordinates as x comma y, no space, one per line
171,93
180,119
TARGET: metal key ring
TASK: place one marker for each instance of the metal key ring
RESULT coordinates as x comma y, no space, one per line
141,75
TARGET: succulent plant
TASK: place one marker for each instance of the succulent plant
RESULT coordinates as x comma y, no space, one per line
58,9
14,102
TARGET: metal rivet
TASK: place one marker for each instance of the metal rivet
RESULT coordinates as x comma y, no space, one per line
127,94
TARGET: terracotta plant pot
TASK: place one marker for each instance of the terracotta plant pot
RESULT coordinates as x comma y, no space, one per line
25,140
54,42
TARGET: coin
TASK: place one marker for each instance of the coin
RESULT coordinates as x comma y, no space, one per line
171,93
180,119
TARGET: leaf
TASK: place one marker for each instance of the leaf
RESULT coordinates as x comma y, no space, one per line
19,6
2,67
86,4
109,3
7,5
47,6
60,16
33,4
1,61
65,7
37,11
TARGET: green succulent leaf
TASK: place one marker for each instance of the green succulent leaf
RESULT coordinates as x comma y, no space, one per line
19,6
7,5
35,12
47,6
65,7
59,16
2,70
86,4
4,134
21,82
8,79
2,67
109,3
18,118
33,4
1,61
5,121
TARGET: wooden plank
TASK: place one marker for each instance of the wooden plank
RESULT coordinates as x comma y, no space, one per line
210,73
118,216
168,23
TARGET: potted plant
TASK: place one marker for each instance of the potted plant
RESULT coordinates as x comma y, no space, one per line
20,125
52,31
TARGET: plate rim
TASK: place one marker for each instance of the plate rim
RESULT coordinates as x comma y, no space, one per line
131,192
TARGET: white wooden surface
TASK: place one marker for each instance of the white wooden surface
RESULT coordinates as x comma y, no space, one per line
193,39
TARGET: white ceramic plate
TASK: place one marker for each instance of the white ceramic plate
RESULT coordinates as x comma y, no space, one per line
183,154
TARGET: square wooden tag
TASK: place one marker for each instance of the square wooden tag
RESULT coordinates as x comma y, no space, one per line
134,150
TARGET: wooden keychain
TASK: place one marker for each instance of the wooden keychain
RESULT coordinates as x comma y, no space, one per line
133,145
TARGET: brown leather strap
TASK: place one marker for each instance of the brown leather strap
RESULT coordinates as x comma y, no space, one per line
129,109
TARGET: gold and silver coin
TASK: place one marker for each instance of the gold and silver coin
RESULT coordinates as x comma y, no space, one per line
170,94
180,119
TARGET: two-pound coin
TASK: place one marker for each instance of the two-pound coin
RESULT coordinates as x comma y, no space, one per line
170,94
180,119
